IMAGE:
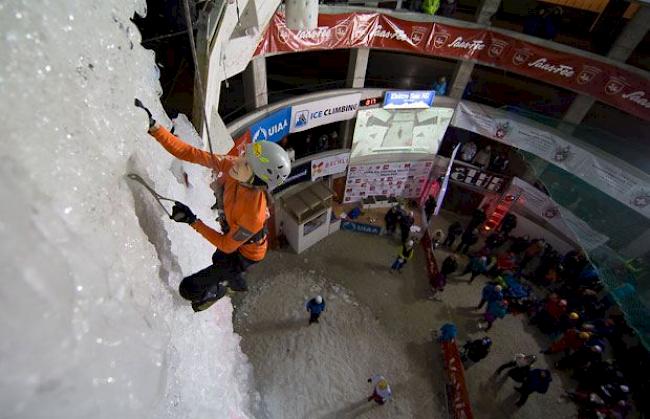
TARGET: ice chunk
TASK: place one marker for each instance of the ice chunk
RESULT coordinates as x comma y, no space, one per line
92,323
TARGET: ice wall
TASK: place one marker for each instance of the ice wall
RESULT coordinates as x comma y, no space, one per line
91,324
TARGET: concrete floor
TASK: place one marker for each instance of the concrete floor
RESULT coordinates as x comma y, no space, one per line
367,304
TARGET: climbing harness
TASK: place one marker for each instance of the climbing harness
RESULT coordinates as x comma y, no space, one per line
159,198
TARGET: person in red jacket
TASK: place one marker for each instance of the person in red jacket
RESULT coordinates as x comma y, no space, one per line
243,242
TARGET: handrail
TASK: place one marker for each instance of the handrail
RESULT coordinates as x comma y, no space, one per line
247,120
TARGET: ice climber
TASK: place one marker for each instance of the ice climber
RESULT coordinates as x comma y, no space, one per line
246,181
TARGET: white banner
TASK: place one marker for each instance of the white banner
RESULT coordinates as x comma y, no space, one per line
329,165
445,182
404,179
305,116
559,217
613,180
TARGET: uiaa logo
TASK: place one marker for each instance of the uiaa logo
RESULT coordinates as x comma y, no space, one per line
260,135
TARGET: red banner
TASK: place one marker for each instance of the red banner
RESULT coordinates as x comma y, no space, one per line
240,144
616,86
432,265
458,397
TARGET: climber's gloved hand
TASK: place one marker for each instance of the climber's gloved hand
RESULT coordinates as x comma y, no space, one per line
139,104
181,213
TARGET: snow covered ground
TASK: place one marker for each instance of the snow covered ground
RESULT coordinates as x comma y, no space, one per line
376,322
92,325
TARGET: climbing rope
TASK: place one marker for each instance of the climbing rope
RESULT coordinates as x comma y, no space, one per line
159,198
199,80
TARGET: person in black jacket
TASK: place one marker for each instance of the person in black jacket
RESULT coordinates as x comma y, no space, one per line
520,244
430,207
478,217
475,350
519,367
467,240
452,232
509,223
405,226
392,217
494,241
449,265
537,381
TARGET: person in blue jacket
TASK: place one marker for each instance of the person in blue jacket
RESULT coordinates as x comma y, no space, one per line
477,265
441,86
315,307
490,292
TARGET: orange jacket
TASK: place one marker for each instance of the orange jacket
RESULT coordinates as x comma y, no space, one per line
245,207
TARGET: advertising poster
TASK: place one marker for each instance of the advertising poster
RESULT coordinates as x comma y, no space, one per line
559,217
347,225
405,179
306,116
445,181
240,144
613,180
330,165
472,175
299,173
617,85
272,128
384,131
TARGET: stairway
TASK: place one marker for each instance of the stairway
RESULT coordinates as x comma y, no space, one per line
502,208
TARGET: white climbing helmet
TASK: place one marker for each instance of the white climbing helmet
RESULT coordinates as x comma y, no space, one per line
409,243
269,161
319,299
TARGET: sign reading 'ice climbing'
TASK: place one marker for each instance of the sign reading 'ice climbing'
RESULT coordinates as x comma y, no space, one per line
325,111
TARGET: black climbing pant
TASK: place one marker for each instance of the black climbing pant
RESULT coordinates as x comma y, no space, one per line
227,269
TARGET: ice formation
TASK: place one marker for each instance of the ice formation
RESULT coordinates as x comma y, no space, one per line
91,321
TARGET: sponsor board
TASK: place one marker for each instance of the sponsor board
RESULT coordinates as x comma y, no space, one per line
360,227
329,165
559,217
299,173
406,179
409,99
324,111
467,174
272,128
615,85
615,181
